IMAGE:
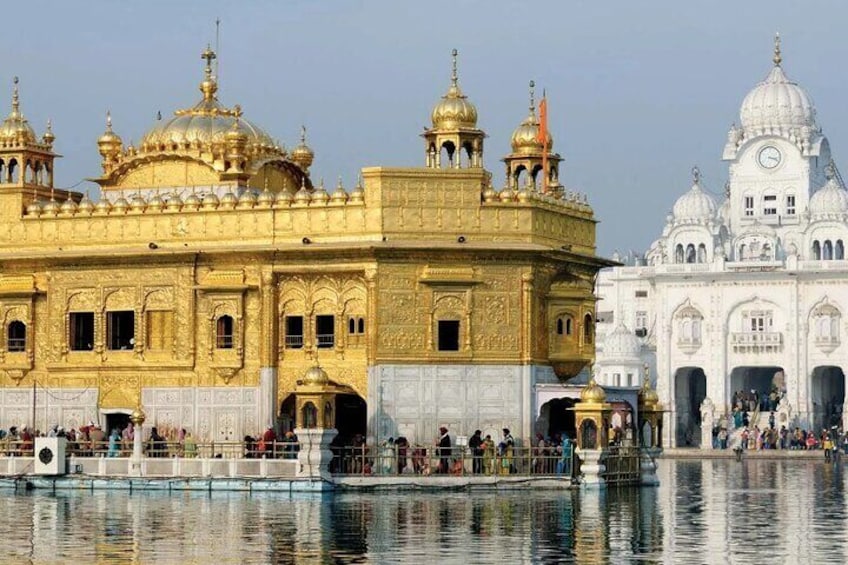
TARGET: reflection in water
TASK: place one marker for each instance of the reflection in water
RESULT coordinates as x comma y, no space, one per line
710,511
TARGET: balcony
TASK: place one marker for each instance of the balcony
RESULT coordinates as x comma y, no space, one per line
756,342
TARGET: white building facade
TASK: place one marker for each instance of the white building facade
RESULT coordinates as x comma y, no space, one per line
749,294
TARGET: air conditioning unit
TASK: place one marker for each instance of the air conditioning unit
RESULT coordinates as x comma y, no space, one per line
50,455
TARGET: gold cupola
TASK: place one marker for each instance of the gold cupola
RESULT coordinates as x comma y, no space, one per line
454,130
593,393
15,129
527,158
110,145
48,138
303,154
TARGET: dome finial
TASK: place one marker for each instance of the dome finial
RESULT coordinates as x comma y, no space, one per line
15,99
303,134
210,56
454,76
209,86
830,171
109,121
532,98
777,58
696,175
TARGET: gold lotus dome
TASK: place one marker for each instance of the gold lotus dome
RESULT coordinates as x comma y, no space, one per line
34,208
68,207
51,208
204,124
15,128
525,138
48,138
339,194
315,376
86,206
229,200
109,143
358,193
593,393
454,110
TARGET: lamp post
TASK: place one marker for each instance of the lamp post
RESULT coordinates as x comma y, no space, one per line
137,418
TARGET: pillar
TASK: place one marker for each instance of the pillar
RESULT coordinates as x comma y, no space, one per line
268,352
137,419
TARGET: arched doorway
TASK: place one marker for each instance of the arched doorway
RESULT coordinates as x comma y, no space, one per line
758,380
827,392
690,389
557,417
351,418
287,415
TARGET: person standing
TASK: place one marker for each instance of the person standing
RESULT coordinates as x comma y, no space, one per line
508,451
475,444
444,449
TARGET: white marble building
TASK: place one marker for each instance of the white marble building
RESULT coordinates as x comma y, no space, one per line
745,292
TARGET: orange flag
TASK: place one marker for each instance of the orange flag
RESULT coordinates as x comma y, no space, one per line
543,139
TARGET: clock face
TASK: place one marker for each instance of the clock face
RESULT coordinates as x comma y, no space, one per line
769,157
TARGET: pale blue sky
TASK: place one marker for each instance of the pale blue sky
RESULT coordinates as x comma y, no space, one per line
638,92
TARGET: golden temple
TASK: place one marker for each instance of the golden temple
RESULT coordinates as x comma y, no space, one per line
212,273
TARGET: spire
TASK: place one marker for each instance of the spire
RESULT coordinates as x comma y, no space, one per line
210,56
16,107
303,134
109,121
777,58
454,76
532,98
209,85
696,176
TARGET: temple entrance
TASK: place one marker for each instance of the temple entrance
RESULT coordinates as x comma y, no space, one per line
690,389
754,386
828,395
351,418
116,421
557,417
286,420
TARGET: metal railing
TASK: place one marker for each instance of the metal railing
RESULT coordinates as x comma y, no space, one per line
622,465
164,449
325,340
294,341
458,461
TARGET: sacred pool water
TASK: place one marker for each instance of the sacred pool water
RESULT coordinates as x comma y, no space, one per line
704,512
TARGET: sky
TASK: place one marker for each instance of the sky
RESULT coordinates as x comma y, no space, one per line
638,92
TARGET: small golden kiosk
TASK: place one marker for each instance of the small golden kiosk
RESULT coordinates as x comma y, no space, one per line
592,421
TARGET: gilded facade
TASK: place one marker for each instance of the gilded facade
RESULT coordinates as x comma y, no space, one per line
212,272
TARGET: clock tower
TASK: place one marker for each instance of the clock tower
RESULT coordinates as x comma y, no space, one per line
777,157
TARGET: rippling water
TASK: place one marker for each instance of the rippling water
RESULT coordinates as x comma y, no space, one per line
704,512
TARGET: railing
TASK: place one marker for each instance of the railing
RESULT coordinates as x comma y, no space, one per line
294,341
325,340
622,466
458,461
757,341
164,449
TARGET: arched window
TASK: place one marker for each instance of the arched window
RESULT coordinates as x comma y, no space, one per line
351,326
588,330
690,253
827,250
816,250
839,250
568,324
309,415
560,329
16,336
224,332
741,256
702,253
678,253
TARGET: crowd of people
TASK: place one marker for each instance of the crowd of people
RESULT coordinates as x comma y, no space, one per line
477,454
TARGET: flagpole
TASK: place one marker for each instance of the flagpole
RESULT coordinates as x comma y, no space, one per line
543,137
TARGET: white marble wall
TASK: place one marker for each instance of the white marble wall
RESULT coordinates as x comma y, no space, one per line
414,400
68,407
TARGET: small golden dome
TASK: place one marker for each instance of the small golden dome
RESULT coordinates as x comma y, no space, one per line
120,205
156,203
68,207
174,203
302,196
283,199
137,417
265,198
210,201
109,143
229,200
339,194
48,138
525,138
358,193
247,199
319,195
593,393
489,195
51,208
86,206
315,376
34,208
15,128
303,155
192,202
647,395
103,205
138,203
454,110
506,194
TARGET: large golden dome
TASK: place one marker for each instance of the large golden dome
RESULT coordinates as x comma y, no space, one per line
454,110
593,393
204,124
15,128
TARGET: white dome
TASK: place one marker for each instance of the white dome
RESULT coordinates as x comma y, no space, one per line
695,204
777,103
829,200
621,343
